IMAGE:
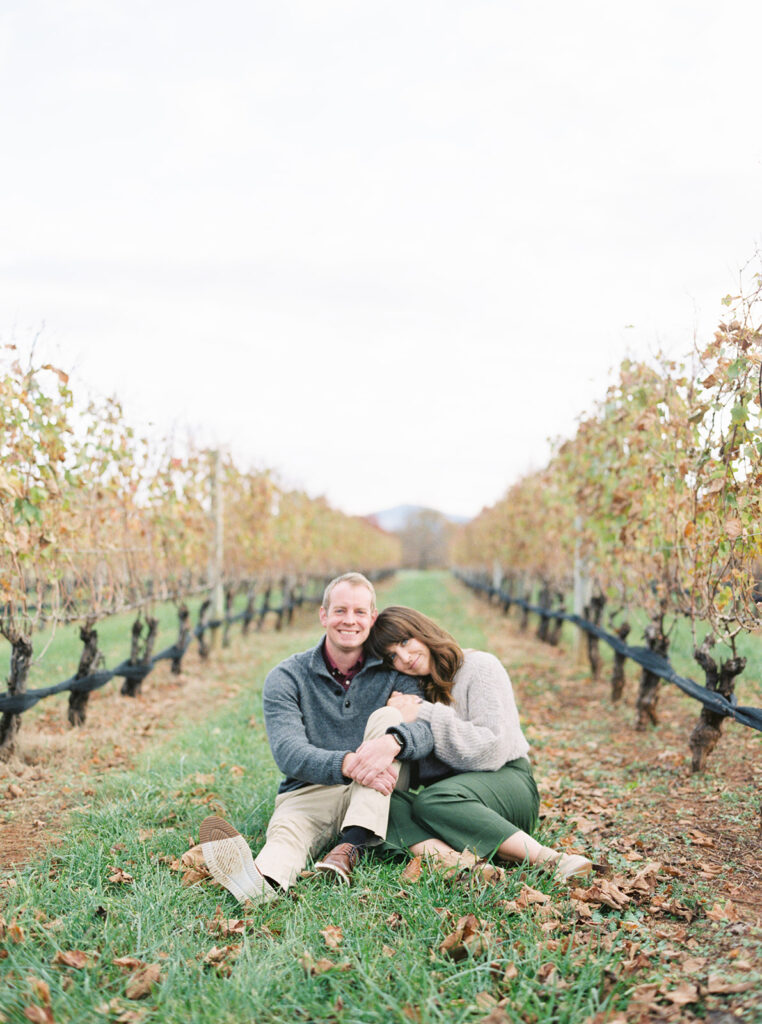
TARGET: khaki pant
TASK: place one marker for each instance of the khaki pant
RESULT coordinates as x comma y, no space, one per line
307,819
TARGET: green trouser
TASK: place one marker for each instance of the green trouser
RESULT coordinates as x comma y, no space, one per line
471,811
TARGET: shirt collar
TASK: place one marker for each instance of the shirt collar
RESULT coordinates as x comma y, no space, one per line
334,669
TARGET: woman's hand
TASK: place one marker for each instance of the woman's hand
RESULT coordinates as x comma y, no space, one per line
407,703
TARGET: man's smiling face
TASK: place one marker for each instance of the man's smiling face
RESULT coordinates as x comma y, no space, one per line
348,618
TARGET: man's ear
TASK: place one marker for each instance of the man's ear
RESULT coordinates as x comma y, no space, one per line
323,617
373,616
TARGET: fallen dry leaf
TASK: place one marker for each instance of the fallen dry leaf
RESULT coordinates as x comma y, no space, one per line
707,870
193,866
583,911
141,983
488,872
497,1015
314,967
604,892
41,989
413,870
72,958
585,825
509,974
222,958
723,913
717,985
332,936
116,1010
645,880
128,963
692,964
111,1008
638,962
131,1017
193,877
119,875
699,838
644,997
470,938
547,974
14,791
528,896
220,925
194,858
412,1013
659,905
683,995
485,1000
39,1014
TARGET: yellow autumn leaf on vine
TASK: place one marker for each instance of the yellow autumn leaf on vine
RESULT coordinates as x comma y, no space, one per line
733,528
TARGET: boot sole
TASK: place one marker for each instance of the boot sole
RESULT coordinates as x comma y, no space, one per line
325,868
230,861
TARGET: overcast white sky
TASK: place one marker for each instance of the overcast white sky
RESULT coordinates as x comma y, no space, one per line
385,246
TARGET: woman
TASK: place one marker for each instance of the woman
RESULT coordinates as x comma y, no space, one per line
479,793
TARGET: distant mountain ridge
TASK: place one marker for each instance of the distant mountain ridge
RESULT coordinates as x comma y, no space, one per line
395,519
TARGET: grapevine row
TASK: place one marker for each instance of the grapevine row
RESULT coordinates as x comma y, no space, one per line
654,504
96,520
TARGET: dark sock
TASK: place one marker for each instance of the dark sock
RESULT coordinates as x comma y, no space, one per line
356,835
271,881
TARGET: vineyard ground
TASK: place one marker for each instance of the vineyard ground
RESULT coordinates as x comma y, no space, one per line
628,797
578,733
635,791
57,766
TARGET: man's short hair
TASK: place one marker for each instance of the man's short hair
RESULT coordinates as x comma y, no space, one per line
356,579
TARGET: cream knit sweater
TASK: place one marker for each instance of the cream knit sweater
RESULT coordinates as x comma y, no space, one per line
480,730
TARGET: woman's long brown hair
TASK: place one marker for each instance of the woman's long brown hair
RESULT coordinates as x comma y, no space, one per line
397,624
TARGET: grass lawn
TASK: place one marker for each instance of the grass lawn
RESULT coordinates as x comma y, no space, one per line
103,928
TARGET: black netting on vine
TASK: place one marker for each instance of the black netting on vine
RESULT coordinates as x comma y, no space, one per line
653,663
17,703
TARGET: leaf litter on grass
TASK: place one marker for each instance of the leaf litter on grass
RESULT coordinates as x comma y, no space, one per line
628,800
530,959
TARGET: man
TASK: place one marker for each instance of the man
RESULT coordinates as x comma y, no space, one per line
320,706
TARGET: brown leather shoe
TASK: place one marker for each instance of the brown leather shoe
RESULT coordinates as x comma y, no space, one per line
341,861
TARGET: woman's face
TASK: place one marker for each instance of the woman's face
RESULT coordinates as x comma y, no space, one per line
411,657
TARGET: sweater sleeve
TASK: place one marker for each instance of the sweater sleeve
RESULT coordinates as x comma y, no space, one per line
480,731
296,757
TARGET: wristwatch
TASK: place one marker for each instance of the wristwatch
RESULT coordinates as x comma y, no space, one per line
398,735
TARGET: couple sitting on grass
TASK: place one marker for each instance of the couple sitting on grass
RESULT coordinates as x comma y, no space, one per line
391,738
